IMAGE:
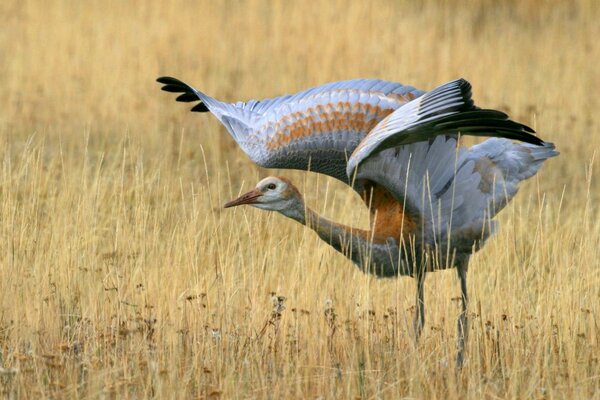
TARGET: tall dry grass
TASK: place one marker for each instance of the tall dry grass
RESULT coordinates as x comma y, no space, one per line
121,276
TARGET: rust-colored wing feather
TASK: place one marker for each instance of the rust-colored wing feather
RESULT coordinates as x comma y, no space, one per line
315,129
447,110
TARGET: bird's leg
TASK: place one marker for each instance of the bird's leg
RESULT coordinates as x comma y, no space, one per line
462,325
419,321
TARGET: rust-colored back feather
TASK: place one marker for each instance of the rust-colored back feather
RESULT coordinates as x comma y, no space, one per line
388,216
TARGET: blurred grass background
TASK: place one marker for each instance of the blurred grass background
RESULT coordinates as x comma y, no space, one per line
121,277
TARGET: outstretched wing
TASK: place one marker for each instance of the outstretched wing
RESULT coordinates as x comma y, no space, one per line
316,129
449,192
446,110
190,94
416,174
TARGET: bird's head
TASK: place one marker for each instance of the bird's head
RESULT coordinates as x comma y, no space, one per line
274,193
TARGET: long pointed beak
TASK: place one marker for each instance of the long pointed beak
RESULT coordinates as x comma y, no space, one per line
246,198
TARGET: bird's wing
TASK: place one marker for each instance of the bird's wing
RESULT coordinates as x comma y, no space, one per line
415,174
205,103
446,110
453,191
316,129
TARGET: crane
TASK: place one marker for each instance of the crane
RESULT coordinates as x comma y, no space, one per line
432,200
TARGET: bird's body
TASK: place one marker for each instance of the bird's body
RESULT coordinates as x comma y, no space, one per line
431,200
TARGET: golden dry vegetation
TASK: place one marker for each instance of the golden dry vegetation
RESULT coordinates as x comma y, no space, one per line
122,277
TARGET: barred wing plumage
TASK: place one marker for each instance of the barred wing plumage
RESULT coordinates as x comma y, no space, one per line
376,133
316,129
446,110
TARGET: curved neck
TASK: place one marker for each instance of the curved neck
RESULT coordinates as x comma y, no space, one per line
375,255
340,237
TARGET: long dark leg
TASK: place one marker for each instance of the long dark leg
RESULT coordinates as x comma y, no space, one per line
419,321
462,326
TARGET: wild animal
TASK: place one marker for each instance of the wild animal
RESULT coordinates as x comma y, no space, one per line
432,201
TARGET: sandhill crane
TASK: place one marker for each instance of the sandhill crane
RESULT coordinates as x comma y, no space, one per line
431,199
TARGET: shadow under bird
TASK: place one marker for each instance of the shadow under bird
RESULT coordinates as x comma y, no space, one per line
432,201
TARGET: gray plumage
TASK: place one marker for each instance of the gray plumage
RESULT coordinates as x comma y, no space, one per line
453,191
434,200
321,128
304,130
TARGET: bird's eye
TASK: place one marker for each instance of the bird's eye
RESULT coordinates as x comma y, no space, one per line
271,186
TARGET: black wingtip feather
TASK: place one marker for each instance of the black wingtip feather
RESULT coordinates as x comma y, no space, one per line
466,92
483,119
174,88
200,107
456,89
485,123
188,95
168,80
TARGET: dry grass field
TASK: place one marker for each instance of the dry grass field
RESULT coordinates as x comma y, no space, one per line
121,276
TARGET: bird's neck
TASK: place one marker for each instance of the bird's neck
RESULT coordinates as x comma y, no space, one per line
327,230
374,255
337,235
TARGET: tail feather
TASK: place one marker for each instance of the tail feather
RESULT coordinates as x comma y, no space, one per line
515,161
488,177
503,165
